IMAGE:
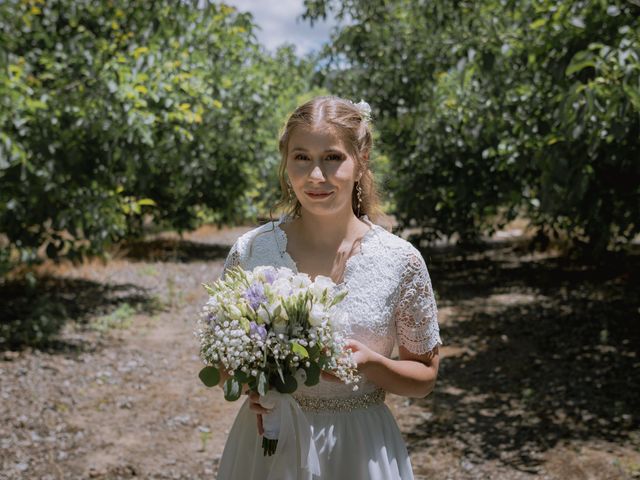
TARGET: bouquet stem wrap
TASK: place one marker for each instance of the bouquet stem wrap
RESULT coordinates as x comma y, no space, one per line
287,424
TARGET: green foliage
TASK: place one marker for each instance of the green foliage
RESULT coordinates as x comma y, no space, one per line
120,318
533,110
111,112
210,376
232,389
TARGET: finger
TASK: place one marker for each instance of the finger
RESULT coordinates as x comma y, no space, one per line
260,426
350,345
257,408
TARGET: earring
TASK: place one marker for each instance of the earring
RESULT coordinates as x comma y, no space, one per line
359,192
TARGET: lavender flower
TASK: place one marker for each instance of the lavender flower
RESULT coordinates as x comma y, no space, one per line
254,328
255,295
270,276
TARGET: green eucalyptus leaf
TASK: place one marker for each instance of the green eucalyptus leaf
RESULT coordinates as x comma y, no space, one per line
263,383
210,376
289,385
232,389
313,374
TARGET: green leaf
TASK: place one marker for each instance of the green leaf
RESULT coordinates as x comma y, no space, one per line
338,298
288,386
539,23
314,351
263,384
580,61
232,389
299,350
313,374
633,94
210,376
241,376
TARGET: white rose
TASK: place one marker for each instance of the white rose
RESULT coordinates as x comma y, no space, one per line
320,284
284,273
282,312
281,287
260,272
317,315
301,280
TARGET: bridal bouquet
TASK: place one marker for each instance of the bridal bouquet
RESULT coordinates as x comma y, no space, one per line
272,330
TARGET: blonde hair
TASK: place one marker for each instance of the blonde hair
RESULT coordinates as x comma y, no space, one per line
353,127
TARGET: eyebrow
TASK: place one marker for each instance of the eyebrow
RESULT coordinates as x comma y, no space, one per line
300,149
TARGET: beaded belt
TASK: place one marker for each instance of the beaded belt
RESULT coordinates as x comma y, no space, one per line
323,405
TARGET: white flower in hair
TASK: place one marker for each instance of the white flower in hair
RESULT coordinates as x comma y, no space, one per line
365,109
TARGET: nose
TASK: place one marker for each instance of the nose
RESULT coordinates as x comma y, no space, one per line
316,173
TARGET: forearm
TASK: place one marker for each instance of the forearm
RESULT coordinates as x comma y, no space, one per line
408,378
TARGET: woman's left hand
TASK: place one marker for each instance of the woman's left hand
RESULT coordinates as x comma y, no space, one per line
362,355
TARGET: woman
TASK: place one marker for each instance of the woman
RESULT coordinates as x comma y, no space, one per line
330,193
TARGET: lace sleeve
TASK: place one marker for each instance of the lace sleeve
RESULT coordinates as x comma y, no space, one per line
233,258
416,313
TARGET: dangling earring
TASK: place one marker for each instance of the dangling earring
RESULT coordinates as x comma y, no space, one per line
290,193
359,192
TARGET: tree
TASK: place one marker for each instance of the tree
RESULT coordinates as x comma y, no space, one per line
485,116
112,110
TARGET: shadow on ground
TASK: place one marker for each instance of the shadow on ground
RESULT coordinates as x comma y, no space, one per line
174,250
549,352
33,314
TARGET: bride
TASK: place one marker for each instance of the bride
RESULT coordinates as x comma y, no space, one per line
331,200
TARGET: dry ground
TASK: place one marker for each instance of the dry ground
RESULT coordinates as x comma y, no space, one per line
538,375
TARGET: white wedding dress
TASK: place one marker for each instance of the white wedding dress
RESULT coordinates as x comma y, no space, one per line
356,437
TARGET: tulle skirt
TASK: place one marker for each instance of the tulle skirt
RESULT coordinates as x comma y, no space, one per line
361,444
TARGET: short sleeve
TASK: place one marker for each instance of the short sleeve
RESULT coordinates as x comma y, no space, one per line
416,313
233,258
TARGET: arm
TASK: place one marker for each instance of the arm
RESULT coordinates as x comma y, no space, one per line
418,334
413,375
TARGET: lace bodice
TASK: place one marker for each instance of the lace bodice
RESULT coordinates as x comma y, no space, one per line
389,298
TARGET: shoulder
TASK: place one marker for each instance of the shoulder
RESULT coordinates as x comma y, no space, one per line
401,250
260,234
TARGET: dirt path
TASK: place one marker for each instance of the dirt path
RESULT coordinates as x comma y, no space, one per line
116,395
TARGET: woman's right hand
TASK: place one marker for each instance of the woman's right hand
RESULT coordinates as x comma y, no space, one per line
254,400
254,405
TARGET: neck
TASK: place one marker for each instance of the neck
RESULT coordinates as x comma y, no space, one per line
329,231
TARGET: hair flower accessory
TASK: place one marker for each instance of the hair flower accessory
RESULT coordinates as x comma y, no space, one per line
365,109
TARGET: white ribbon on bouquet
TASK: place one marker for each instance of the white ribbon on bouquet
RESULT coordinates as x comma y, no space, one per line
289,425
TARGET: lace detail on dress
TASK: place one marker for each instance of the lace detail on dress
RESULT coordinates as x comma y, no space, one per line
384,289
283,240
232,260
416,313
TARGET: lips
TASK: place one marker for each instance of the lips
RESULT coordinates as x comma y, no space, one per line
320,194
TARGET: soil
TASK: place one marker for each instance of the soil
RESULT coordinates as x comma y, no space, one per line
539,372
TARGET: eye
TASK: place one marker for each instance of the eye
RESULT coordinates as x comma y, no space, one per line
300,157
335,156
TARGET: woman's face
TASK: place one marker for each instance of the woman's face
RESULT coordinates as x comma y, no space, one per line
321,171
